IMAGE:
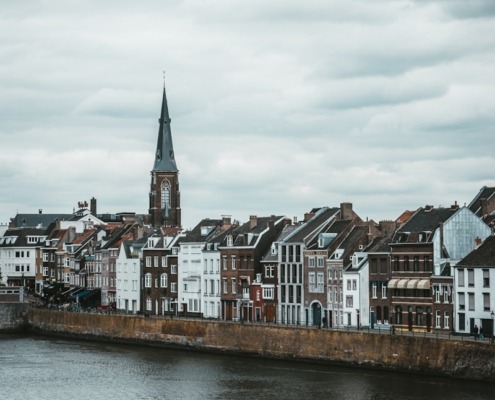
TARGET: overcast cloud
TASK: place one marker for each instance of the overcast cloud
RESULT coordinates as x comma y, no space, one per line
277,106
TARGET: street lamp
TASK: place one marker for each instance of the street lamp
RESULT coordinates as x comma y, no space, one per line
493,316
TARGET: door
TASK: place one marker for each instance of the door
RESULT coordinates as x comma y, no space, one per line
316,314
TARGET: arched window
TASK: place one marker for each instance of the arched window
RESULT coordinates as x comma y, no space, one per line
163,280
147,280
165,191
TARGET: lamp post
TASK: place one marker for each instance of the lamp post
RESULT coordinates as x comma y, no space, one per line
493,317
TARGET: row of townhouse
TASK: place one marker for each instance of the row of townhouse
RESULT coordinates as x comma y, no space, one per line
417,273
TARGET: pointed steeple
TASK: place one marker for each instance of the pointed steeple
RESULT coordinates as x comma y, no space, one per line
164,156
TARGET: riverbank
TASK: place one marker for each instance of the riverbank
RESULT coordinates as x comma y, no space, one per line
460,359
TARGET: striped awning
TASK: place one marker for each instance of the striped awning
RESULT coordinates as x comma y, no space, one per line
412,283
392,283
402,284
424,284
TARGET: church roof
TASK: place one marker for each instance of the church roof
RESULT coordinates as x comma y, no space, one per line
164,156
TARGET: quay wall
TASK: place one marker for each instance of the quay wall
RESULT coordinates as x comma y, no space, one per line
13,317
456,358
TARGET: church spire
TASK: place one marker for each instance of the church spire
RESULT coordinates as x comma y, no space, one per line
164,156
164,189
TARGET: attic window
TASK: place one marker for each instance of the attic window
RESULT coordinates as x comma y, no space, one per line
424,236
230,241
403,237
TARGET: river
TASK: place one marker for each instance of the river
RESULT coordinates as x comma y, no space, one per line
39,367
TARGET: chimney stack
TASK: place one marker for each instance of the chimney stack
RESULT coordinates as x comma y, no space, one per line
253,221
93,206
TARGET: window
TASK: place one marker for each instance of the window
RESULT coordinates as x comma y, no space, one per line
462,301
471,301
155,261
173,287
486,301
438,319
354,284
311,262
373,290
348,284
320,262
349,301
233,262
165,195
164,262
396,263
45,271
225,290
311,279
446,320
234,285
269,271
45,257
320,282
147,280
163,280
384,290
486,278
148,261
173,269
383,266
470,277
268,293
445,294
436,288
149,304
406,263
224,262
416,263
373,266
230,241
156,282
460,277
427,266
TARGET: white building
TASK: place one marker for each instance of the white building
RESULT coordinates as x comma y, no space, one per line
474,285
128,277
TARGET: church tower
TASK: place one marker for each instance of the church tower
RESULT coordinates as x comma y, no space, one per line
164,189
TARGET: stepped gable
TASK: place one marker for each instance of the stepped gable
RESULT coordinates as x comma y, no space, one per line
483,256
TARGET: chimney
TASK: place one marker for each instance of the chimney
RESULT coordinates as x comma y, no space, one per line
346,211
40,211
454,206
226,221
295,220
93,206
477,242
253,221
308,216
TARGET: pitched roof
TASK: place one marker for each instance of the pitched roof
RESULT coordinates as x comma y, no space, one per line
201,231
321,218
483,256
37,220
427,219
484,193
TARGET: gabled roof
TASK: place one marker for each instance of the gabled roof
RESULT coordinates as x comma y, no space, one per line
484,193
483,256
313,226
425,219
21,235
248,233
201,231
37,220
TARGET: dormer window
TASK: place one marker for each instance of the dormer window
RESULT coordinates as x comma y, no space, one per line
230,241
403,237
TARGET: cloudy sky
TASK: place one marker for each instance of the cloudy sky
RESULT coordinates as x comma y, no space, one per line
277,106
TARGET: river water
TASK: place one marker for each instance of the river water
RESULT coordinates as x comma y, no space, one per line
38,367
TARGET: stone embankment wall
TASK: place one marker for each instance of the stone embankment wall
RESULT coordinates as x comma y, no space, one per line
13,317
466,359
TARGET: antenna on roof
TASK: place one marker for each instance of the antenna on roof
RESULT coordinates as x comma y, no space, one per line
164,78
